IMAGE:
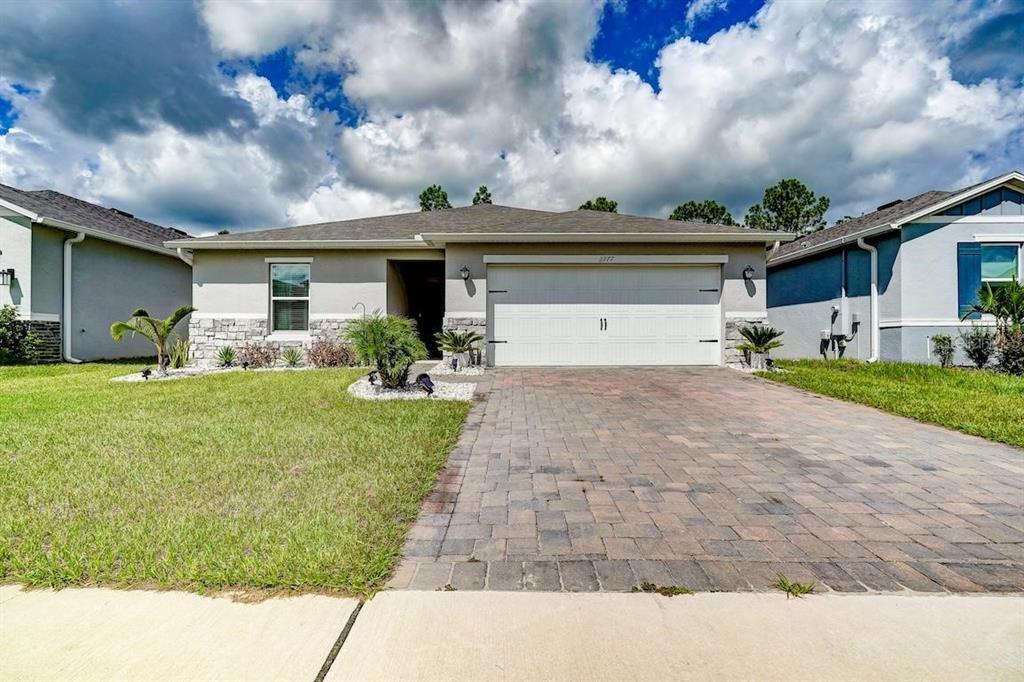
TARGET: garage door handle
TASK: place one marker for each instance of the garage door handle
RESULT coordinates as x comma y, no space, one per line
497,291
707,290
709,341
497,342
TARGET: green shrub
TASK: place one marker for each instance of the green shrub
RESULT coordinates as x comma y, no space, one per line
254,354
456,342
979,344
225,356
17,342
292,356
326,353
943,348
1010,353
759,338
179,353
387,343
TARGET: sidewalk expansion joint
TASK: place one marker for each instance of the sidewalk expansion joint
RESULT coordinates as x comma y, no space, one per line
340,642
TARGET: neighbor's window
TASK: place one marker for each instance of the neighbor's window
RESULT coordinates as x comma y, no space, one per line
999,262
289,296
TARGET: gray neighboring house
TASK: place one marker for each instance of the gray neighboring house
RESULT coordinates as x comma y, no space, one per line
544,288
881,285
72,268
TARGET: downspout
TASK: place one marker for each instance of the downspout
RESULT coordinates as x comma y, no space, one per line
184,256
65,318
875,334
772,251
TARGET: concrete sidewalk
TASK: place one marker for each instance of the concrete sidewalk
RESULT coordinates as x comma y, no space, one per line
99,634
717,636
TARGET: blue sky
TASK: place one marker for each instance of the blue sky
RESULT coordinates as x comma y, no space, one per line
223,114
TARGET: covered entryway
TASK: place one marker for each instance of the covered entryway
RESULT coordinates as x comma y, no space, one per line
604,314
415,289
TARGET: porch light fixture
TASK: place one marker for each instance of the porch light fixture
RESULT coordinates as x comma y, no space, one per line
748,272
464,273
7,277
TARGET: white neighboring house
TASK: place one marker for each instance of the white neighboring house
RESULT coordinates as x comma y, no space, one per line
544,288
72,268
881,285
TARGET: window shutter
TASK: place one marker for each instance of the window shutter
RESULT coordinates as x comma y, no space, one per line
968,269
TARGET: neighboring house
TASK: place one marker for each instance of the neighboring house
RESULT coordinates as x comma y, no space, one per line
573,288
72,268
881,285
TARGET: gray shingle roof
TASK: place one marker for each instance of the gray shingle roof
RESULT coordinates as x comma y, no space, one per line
50,204
481,219
864,222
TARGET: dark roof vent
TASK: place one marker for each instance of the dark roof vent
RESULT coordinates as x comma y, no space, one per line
118,211
889,205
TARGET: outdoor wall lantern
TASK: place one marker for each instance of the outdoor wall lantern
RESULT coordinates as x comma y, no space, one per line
748,272
7,276
464,273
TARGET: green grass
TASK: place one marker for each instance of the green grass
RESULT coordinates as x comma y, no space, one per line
269,480
985,404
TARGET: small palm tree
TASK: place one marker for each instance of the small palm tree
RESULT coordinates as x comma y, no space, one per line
389,344
759,339
154,329
457,342
1005,303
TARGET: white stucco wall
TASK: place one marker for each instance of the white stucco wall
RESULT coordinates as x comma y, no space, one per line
16,252
235,284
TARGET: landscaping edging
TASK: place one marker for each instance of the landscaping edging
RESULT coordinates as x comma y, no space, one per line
190,372
443,390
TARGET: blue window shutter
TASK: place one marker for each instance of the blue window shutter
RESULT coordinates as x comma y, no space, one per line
968,270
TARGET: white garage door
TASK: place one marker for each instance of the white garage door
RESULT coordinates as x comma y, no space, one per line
604,315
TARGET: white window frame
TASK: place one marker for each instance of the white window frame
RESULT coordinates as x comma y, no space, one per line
271,262
1001,280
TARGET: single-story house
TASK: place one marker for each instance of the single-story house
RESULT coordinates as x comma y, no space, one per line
881,285
543,288
72,268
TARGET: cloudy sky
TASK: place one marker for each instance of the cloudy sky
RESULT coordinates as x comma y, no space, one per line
261,113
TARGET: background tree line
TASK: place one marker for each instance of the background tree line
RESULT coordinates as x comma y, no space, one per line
787,206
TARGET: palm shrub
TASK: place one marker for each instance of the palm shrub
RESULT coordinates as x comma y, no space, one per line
759,338
458,342
979,344
943,348
153,328
292,356
389,344
225,356
1004,302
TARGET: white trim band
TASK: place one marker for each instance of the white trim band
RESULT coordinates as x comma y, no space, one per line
606,259
287,259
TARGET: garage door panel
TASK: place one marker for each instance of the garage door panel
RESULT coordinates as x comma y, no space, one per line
552,315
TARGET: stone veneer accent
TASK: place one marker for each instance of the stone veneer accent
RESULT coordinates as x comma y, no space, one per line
734,357
474,324
208,335
48,334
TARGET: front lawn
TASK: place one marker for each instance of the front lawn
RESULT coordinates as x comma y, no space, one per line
985,404
251,480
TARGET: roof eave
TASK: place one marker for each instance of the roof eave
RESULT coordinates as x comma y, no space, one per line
958,197
440,238
898,224
106,236
293,244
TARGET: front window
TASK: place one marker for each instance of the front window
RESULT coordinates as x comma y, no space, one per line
289,296
999,263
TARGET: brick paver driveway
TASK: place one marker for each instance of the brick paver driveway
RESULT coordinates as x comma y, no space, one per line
597,479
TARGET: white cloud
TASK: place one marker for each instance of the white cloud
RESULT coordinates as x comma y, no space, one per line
702,9
857,99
